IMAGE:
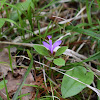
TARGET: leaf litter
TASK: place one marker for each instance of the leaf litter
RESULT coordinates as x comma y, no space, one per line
15,79
5,62
13,83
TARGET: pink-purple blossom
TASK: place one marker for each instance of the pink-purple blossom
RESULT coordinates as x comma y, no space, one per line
51,46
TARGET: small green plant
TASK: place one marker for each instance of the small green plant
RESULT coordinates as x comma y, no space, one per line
43,50
69,87
2,84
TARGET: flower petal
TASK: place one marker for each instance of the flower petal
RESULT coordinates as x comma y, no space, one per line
49,36
51,50
50,42
46,45
57,43
51,47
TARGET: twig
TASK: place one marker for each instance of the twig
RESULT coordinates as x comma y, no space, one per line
20,44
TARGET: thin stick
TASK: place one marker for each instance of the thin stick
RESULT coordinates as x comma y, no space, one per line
20,44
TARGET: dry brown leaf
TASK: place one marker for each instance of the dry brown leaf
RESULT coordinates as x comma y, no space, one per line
12,84
4,67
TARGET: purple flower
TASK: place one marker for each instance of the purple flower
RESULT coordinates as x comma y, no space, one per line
51,46
49,36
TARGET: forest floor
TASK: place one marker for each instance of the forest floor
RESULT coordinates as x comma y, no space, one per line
49,50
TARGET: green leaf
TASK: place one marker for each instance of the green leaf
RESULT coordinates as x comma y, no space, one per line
2,3
1,98
14,15
11,21
41,50
71,87
29,54
59,62
2,21
22,6
98,2
49,58
61,50
2,84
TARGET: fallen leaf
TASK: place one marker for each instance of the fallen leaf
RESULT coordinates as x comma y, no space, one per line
13,84
5,63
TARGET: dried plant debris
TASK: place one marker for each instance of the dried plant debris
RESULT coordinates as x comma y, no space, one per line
5,62
14,81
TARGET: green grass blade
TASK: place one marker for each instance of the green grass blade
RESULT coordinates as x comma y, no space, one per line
98,1
10,59
23,95
21,85
98,80
93,57
84,31
98,67
2,3
6,88
1,22
30,17
46,30
39,30
1,98
13,6
88,9
21,24
11,21
51,3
